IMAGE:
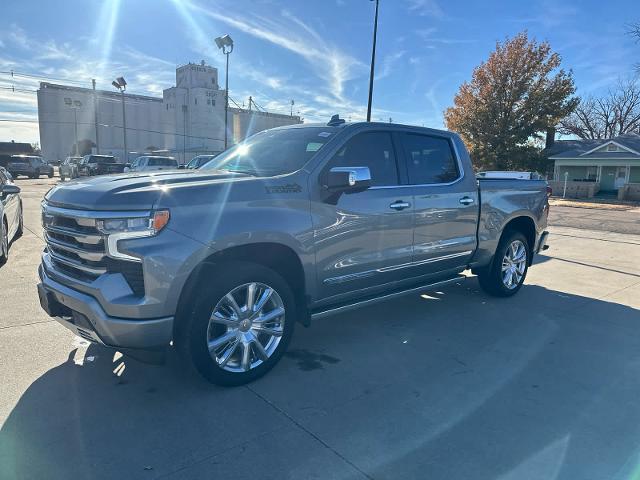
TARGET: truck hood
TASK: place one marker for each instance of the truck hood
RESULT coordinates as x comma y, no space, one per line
129,191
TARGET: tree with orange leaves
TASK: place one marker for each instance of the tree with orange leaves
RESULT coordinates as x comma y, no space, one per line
510,102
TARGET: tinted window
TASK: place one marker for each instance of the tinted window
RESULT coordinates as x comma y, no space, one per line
96,159
162,162
373,150
429,159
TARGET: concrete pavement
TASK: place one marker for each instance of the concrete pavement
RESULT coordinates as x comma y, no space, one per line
448,384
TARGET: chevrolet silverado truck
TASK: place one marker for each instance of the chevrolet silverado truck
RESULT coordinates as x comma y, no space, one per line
294,224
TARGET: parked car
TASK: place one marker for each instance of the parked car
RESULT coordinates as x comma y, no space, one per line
295,223
31,166
149,163
92,165
199,161
69,168
10,213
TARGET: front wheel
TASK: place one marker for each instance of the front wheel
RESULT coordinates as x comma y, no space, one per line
240,325
506,274
4,242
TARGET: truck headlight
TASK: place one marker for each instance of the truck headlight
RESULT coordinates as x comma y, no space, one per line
117,229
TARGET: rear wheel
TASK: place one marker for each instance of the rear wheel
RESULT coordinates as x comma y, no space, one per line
50,174
506,274
239,326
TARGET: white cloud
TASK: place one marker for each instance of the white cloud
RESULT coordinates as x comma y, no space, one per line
388,64
426,8
296,36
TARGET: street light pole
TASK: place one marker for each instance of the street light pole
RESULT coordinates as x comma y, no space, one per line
121,85
226,101
124,128
225,43
373,61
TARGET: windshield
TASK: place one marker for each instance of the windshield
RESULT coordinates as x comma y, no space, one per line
162,162
273,152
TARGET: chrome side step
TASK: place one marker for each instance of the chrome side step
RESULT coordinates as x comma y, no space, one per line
382,298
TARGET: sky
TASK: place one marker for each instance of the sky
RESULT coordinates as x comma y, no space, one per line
315,52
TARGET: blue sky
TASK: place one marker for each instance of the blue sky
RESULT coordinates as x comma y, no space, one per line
313,51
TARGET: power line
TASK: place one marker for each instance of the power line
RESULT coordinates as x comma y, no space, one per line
13,73
111,126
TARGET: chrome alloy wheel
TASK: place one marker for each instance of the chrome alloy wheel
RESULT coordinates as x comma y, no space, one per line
514,264
246,327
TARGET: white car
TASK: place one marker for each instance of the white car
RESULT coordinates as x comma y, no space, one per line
148,163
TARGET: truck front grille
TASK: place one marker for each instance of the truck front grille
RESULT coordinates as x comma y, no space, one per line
77,248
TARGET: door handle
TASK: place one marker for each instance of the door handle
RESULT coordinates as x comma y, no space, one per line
466,200
400,205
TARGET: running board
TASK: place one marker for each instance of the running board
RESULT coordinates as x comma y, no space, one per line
382,298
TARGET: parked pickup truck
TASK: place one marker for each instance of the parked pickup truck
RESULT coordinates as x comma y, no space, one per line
294,224
92,165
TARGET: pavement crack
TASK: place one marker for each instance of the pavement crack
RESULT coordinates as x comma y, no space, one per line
309,432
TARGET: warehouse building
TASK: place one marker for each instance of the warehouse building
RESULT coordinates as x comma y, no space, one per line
187,120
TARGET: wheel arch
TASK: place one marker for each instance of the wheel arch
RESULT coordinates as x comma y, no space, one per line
525,225
276,256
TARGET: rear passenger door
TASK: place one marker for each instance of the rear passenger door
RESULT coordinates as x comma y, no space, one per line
361,237
445,202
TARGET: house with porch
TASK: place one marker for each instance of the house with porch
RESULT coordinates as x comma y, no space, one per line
606,167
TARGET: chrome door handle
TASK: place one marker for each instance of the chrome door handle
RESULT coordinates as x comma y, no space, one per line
400,205
466,200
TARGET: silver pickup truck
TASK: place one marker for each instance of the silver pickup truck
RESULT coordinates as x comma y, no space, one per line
293,224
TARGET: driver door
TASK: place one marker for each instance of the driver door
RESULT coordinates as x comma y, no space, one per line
362,237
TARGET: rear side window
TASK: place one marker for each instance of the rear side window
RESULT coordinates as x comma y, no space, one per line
162,162
429,159
373,150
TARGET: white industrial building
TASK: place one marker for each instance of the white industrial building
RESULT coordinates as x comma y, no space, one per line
187,120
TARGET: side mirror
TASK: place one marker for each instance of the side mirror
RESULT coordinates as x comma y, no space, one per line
352,179
9,189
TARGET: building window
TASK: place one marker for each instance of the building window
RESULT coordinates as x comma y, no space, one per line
592,174
195,100
612,148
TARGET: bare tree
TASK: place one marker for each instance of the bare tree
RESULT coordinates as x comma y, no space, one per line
615,114
633,29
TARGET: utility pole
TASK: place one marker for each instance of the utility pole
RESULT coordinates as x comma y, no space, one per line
75,127
373,61
250,102
95,114
292,104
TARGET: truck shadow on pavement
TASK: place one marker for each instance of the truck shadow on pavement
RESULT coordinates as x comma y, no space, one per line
448,384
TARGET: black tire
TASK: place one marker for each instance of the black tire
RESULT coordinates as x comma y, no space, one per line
4,242
62,178
20,230
35,175
50,174
192,332
491,278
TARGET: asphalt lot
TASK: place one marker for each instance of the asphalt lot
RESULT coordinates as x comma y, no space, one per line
445,385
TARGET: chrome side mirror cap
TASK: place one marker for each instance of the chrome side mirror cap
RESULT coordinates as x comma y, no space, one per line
351,179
